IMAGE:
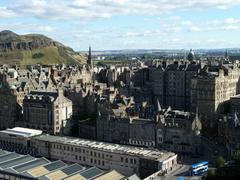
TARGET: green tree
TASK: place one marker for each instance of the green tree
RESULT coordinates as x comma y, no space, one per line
220,162
236,156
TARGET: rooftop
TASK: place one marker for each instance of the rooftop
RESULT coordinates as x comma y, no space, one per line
28,167
24,132
107,147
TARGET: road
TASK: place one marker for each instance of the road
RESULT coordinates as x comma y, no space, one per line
210,151
180,171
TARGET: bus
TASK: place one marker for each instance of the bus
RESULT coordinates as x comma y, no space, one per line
199,169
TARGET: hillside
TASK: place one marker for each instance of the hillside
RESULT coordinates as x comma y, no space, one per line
35,49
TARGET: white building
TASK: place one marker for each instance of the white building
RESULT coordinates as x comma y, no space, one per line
18,139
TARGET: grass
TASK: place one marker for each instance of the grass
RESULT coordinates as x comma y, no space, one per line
50,56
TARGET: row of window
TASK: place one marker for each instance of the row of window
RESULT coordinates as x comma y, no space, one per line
95,161
68,148
129,160
92,154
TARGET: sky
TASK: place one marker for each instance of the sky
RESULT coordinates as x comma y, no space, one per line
127,24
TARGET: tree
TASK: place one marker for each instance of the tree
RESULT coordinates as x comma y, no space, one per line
236,156
220,162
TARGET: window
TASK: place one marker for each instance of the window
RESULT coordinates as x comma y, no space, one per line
126,160
131,161
76,157
95,154
84,159
121,159
135,162
103,163
91,153
91,160
80,158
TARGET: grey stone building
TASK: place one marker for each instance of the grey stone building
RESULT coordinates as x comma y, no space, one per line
178,131
171,83
142,132
48,111
212,90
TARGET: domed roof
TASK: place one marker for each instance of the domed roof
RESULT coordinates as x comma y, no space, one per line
190,56
191,52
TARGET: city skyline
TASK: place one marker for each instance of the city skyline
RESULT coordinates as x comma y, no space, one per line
123,24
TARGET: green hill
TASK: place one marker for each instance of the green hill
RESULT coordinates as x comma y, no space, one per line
35,49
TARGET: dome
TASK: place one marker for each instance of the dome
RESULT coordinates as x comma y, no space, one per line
191,52
190,56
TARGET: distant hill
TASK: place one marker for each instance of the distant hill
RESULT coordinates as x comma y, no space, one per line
35,49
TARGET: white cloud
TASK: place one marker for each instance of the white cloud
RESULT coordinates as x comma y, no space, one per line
6,13
85,9
31,27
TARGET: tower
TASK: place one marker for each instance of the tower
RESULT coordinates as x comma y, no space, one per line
89,60
226,54
190,56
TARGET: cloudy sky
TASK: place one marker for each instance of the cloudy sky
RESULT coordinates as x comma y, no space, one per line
127,24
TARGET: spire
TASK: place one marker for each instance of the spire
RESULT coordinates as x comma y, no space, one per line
196,125
159,108
236,120
89,60
226,54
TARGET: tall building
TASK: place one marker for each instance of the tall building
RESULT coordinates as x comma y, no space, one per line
171,83
212,90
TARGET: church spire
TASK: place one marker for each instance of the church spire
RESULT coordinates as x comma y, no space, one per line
159,108
226,54
89,60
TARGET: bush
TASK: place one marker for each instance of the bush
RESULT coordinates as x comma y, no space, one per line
220,162
37,55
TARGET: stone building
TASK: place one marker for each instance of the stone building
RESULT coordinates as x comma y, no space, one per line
48,111
178,131
113,129
142,132
127,160
16,83
171,83
212,90
229,132
235,104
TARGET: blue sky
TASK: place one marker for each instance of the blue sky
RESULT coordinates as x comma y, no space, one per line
127,24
